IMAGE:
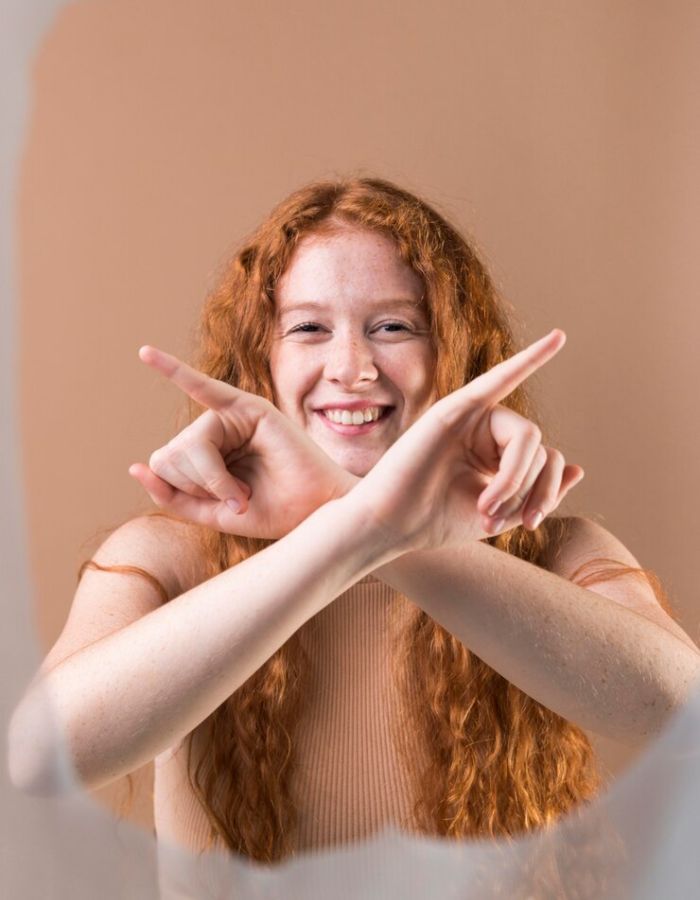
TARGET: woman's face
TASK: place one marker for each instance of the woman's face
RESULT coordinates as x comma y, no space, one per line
351,343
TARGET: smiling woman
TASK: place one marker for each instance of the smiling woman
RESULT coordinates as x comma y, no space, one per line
357,623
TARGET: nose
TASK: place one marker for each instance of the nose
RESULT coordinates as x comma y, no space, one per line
350,362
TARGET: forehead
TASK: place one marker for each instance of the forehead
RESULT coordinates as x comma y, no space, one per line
349,265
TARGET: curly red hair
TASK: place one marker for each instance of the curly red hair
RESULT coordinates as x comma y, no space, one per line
501,763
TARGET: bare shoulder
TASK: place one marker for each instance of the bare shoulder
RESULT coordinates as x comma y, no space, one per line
166,548
587,541
144,563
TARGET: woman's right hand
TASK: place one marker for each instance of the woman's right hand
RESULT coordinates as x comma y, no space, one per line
242,467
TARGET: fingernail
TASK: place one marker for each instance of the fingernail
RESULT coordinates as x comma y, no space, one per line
537,518
234,504
498,525
493,509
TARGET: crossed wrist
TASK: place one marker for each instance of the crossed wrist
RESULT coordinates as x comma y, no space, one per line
345,482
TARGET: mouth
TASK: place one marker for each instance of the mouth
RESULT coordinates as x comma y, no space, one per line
338,422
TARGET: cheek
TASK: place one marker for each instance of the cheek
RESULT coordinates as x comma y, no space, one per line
290,380
417,379
280,374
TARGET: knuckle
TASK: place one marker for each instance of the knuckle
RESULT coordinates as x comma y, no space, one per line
512,483
214,485
556,456
534,433
549,497
156,459
186,444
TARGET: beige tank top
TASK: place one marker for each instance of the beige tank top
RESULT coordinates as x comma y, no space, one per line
350,778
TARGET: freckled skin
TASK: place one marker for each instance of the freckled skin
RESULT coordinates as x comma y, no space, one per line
359,344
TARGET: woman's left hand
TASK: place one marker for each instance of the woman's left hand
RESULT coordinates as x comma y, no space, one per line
469,467
547,481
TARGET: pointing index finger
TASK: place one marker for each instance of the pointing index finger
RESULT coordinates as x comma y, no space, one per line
200,387
495,385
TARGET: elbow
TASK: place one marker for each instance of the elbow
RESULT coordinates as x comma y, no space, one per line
37,760
686,684
27,774
656,704
680,690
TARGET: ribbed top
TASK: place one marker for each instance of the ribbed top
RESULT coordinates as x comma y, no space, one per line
350,780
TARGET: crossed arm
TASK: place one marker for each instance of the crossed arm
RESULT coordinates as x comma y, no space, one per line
607,657
131,676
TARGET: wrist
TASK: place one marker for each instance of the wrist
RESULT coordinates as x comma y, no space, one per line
344,482
366,534
404,572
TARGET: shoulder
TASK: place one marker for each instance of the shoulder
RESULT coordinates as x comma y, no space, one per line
168,549
583,540
592,556
142,564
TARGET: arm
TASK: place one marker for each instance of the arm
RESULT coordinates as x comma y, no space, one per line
535,627
607,658
125,698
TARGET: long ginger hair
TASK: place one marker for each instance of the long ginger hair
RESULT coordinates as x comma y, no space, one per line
501,763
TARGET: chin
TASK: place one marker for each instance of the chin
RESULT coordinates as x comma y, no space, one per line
357,471
348,458
351,464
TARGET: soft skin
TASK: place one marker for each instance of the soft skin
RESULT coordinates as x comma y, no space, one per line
351,328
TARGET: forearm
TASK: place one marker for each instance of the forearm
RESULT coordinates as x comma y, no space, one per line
120,702
586,657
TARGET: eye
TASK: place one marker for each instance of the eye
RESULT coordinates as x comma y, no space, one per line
383,328
394,329
305,328
395,326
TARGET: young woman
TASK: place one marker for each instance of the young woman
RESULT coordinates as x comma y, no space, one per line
355,606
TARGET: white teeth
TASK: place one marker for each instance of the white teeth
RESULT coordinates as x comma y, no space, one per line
356,417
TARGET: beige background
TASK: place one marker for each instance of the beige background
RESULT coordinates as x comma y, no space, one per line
564,136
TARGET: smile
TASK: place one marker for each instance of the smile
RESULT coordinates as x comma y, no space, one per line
358,421
353,417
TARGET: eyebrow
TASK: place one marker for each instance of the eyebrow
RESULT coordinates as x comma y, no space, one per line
315,306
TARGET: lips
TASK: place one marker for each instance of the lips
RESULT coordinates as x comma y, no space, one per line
351,429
